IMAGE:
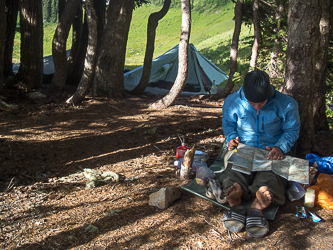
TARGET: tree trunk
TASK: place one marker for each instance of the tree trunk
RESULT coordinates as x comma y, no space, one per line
109,72
180,81
306,58
2,41
320,120
233,52
59,44
31,25
151,32
61,7
100,8
256,26
90,56
75,62
11,20
77,71
76,43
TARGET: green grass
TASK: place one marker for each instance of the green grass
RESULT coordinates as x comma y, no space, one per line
49,30
203,26
211,34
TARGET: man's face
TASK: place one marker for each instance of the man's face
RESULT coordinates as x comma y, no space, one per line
258,105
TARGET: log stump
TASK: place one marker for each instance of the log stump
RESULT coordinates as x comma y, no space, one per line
186,167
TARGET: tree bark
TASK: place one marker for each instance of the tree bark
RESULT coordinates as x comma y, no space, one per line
77,71
151,33
256,26
2,41
320,120
306,59
61,7
100,8
11,20
31,25
109,72
180,81
90,56
233,52
59,44
76,43
75,62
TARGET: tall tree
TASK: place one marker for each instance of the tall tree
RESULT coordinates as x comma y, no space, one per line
89,65
31,25
325,27
75,68
181,78
308,29
109,72
256,27
150,46
75,62
77,40
233,52
61,7
100,8
11,21
59,44
2,40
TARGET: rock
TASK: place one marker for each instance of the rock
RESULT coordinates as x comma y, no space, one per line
164,197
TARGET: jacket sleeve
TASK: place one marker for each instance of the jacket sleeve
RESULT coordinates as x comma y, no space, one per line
290,127
229,120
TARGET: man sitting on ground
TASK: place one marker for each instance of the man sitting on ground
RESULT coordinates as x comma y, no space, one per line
260,116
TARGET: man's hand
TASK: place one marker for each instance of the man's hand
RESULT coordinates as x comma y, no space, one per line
233,143
276,153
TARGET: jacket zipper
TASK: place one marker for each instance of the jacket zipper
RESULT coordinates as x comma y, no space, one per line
258,124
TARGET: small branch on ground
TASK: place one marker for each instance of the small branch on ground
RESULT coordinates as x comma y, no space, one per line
10,186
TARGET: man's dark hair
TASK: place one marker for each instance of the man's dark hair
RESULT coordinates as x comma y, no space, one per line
256,86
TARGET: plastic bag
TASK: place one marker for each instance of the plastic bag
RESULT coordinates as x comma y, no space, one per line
324,190
204,175
325,164
201,156
295,191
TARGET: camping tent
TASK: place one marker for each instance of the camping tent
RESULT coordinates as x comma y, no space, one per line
200,80
47,62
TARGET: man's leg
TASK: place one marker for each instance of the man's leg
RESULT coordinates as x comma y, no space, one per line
235,185
268,188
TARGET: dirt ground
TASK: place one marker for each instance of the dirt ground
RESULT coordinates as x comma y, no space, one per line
44,202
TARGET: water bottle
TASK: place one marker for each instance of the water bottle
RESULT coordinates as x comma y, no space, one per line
309,199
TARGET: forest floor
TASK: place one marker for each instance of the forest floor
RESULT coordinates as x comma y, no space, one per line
44,202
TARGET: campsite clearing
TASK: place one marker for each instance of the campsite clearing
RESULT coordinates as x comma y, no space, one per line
44,204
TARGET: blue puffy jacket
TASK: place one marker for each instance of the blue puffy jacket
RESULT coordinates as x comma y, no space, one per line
277,124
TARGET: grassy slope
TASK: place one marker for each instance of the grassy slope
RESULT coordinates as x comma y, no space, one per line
211,33
49,30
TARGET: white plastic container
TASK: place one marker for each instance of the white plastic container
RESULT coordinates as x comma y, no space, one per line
309,198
